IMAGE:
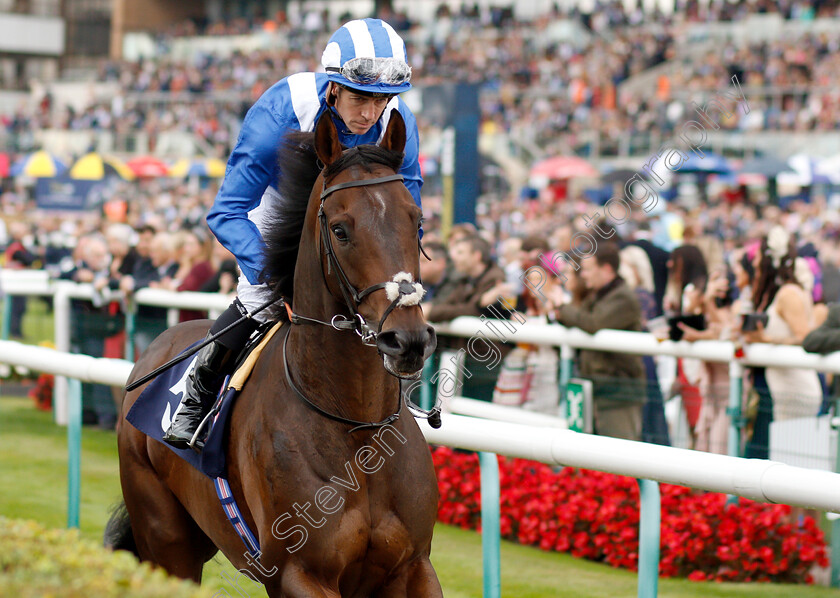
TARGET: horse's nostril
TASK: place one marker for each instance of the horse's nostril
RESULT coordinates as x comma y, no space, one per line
390,342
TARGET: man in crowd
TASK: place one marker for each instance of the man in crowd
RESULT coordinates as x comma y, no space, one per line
436,273
479,285
618,379
92,322
481,282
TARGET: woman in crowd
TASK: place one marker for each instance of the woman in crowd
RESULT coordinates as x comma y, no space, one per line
194,269
781,290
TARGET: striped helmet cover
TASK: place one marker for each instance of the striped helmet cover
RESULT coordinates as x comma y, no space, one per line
368,39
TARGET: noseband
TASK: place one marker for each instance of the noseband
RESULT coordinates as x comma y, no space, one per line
402,291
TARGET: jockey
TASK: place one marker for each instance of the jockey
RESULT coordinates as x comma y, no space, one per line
366,69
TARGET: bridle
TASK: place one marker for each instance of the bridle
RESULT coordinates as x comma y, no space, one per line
402,290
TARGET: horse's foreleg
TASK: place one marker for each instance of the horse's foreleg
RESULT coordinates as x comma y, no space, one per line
416,580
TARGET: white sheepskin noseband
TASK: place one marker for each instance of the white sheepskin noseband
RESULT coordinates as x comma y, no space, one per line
403,287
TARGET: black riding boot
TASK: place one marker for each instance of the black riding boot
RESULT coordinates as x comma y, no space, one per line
202,388
214,362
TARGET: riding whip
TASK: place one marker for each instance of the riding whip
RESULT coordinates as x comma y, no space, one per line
186,354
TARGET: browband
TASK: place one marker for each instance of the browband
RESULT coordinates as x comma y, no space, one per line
363,183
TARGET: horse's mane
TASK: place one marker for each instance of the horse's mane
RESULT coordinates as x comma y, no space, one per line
299,169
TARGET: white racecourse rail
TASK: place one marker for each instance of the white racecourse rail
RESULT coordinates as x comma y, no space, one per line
758,479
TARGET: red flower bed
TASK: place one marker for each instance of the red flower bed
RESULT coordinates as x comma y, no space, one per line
595,515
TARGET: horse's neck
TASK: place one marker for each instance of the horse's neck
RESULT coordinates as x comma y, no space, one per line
336,372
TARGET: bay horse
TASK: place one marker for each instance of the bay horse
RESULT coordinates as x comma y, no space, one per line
338,510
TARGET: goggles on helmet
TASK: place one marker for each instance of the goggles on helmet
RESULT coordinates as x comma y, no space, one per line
367,71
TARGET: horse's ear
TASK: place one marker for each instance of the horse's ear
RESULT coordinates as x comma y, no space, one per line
394,138
327,145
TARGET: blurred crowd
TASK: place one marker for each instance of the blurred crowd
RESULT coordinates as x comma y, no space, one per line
536,79
730,269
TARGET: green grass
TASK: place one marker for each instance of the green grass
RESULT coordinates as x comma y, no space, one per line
33,485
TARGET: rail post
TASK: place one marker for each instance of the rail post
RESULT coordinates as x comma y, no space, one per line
736,423
6,331
649,520
61,325
490,524
74,451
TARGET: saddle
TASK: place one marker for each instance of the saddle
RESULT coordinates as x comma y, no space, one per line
154,409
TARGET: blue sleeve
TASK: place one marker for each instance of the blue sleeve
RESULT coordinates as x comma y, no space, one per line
411,163
250,170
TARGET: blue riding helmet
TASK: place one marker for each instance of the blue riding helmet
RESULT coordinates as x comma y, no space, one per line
369,56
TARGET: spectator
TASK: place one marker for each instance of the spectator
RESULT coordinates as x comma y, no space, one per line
437,273
124,257
711,429
618,379
781,290
151,321
225,271
826,337
636,272
194,270
142,268
92,323
480,287
18,257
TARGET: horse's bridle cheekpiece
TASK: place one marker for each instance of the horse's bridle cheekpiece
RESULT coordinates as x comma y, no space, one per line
353,298
401,291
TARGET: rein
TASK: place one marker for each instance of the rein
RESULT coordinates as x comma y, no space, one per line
358,425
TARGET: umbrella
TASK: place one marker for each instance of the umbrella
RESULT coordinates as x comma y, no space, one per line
40,164
621,175
95,167
563,167
148,167
709,164
206,167
769,167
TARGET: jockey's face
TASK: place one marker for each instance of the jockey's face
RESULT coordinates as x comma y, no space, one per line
359,112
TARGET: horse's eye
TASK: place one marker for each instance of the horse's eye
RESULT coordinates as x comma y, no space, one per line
339,232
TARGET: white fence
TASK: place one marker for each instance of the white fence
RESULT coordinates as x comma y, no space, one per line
753,478
761,480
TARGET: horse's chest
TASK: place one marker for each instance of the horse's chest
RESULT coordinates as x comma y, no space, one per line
372,508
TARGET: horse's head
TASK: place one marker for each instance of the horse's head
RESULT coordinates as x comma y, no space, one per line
364,225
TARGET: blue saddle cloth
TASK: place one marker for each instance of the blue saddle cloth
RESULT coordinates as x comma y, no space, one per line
153,411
